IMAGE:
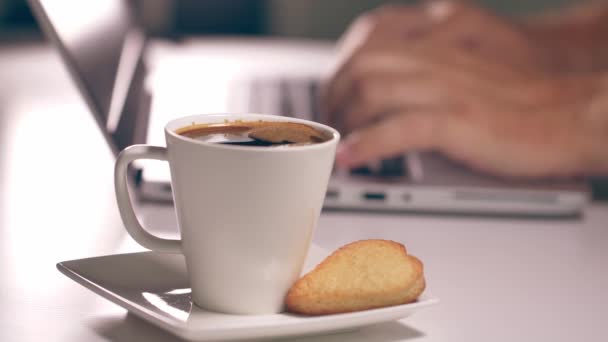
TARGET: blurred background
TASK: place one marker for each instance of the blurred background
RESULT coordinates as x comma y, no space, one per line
176,19
319,19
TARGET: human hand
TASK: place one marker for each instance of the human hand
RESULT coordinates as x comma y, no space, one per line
459,80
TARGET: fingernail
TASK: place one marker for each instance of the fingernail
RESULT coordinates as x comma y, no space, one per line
440,10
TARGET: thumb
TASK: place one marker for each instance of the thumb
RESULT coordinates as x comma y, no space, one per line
393,135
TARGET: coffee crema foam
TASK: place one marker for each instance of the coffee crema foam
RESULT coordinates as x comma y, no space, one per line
255,133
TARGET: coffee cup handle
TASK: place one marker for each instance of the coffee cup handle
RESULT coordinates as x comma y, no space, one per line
134,228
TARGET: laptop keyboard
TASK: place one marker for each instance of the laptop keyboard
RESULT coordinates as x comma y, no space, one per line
393,167
298,98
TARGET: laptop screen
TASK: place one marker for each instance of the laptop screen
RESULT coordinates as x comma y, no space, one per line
102,46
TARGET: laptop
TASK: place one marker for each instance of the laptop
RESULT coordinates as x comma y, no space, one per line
104,49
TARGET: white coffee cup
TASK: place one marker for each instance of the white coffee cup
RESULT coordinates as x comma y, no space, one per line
246,214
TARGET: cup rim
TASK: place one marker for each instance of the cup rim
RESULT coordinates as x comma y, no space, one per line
170,131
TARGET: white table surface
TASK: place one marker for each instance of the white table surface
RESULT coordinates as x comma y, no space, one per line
498,279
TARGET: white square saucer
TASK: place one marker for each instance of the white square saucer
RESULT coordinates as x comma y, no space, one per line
154,286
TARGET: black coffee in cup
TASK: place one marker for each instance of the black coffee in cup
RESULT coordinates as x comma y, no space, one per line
255,133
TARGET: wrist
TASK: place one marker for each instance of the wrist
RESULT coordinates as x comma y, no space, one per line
572,39
595,127
553,52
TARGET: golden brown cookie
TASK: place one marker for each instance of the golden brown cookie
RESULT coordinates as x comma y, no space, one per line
359,276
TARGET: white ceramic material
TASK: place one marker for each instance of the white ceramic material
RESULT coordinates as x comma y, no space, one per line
154,286
246,214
